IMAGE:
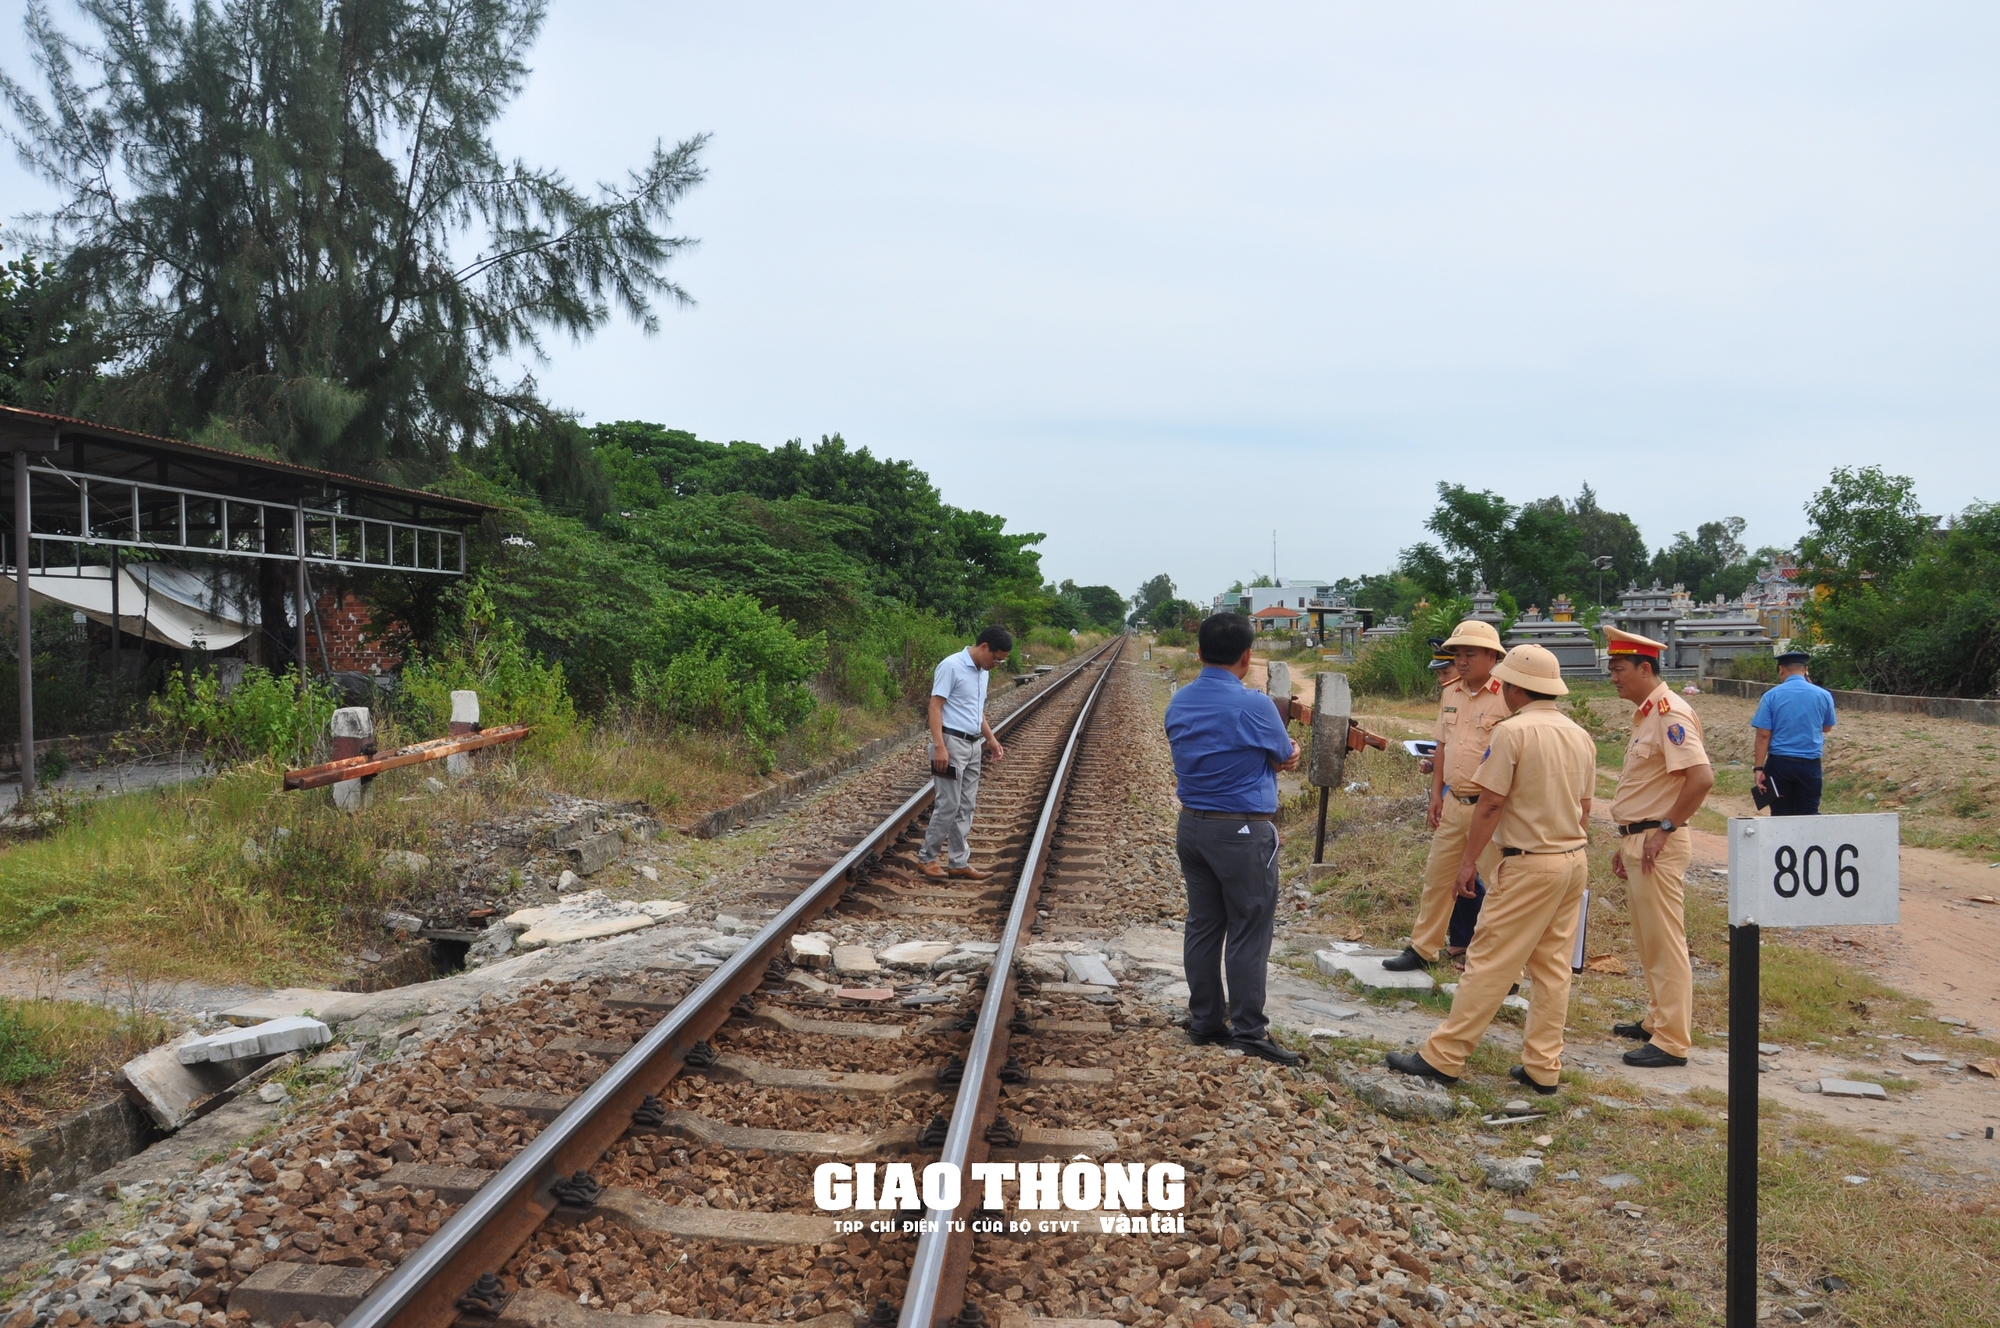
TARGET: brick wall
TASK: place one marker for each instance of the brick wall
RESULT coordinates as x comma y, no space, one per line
351,642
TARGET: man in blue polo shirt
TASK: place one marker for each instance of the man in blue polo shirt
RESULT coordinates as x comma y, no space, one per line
1228,746
1792,722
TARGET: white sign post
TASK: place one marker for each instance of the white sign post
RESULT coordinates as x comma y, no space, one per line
1787,871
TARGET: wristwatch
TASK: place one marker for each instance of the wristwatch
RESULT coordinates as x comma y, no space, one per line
1667,824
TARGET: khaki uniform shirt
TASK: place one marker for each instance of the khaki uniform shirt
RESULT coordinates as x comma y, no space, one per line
1466,717
1666,739
1545,765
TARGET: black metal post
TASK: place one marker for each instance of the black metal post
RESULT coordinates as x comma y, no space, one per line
1319,839
1740,1251
23,619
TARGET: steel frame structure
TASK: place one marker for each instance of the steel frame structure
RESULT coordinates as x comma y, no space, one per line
200,522
172,497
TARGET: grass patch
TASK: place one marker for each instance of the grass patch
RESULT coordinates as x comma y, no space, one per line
56,1055
232,879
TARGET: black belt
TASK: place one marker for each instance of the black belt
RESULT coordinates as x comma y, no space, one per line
1538,852
1228,816
969,737
1638,827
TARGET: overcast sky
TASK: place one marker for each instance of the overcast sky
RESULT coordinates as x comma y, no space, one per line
1158,279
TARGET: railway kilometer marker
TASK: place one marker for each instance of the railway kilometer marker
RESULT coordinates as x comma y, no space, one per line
1787,871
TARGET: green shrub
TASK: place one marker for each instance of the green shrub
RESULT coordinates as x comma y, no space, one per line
1400,665
1173,636
726,663
265,716
490,657
883,658
1758,666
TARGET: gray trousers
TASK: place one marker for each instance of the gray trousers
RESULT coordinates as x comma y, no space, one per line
1231,869
951,814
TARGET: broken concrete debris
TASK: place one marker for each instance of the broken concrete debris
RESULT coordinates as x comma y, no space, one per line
584,917
849,960
1399,1096
810,950
1509,1175
593,853
176,1082
273,1037
1089,969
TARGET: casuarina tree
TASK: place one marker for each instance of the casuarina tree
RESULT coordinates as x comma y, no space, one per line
284,224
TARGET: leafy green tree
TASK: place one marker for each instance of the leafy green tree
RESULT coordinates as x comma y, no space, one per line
1150,597
1102,606
1929,628
1602,534
287,226
1531,552
1864,525
1713,561
904,541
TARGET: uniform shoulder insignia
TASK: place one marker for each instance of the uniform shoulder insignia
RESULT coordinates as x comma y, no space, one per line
1644,710
1676,734
1493,684
1666,706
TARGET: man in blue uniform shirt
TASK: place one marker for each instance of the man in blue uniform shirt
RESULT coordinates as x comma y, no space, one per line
1228,747
1792,722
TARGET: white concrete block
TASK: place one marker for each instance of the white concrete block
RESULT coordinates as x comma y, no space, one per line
273,1037
809,952
465,707
1090,969
915,954
352,722
849,959
1368,971
1853,1088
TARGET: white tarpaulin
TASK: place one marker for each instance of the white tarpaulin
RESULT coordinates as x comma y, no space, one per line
161,616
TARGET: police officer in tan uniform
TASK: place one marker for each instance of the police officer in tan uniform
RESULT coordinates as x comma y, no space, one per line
1666,776
1535,788
1470,708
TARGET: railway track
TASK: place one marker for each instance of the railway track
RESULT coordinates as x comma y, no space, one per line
751,1044
652,1144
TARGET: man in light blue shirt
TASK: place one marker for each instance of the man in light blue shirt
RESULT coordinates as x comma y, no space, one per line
1791,723
960,738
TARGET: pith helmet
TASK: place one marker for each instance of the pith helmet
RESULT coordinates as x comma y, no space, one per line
1618,642
1473,632
1533,668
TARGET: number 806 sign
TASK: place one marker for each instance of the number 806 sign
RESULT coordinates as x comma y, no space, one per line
1814,871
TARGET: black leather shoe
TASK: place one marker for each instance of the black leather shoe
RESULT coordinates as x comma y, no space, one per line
1636,1030
1650,1057
1407,962
1519,1074
1219,1038
1266,1048
1413,1063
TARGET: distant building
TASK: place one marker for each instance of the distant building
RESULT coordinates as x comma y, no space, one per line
1277,618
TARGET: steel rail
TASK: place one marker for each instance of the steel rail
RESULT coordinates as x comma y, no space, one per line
938,1269
423,1291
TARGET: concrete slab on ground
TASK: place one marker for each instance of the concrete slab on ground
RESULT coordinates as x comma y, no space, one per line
1368,971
